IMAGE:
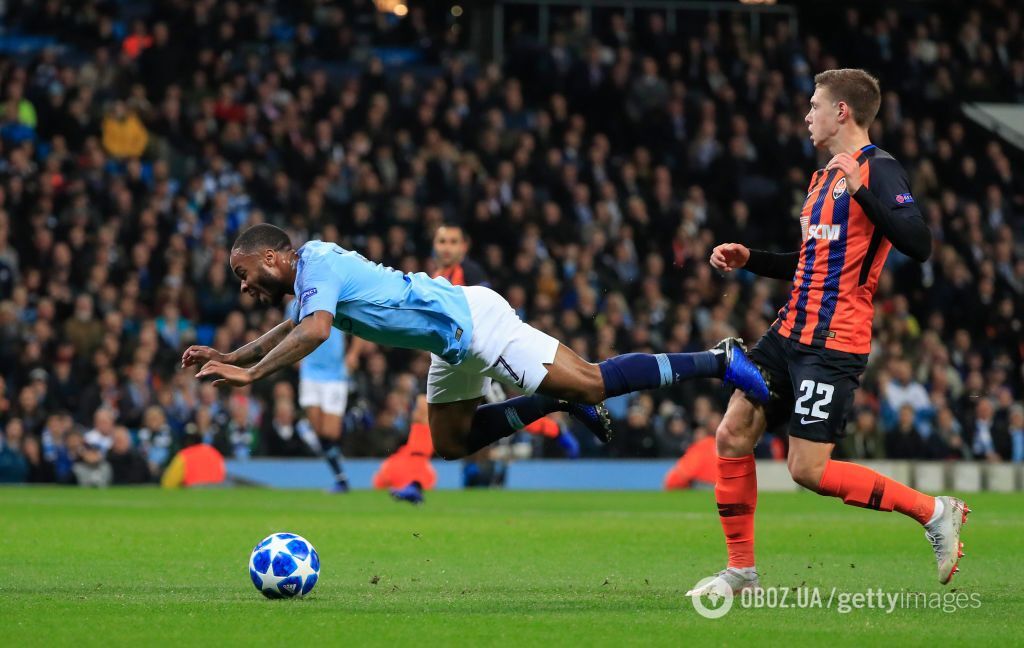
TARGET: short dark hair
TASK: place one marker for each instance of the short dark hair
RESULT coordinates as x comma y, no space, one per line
262,237
857,88
456,226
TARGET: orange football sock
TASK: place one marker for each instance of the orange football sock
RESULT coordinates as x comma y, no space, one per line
861,486
736,494
419,440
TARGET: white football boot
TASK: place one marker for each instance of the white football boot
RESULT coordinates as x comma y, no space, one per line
944,536
731,578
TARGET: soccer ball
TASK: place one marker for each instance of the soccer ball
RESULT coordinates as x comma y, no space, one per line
284,565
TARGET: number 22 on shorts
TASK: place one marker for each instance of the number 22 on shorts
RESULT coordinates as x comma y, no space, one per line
808,390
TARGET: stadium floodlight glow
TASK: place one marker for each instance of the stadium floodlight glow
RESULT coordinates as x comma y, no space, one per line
396,7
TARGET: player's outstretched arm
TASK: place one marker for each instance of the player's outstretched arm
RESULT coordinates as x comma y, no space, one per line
243,356
306,336
733,256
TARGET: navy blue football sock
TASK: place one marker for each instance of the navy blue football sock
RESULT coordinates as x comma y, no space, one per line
495,421
638,371
332,453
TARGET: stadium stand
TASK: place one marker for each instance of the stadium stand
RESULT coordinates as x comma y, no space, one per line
593,171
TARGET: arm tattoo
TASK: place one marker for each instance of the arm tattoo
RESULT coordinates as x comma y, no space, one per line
255,350
295,346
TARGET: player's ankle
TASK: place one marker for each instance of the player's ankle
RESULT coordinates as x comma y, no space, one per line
937,514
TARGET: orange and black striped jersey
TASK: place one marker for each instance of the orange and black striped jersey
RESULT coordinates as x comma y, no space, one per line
845,244
464,273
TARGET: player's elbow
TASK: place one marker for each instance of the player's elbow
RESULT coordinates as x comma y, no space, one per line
318,326
916,241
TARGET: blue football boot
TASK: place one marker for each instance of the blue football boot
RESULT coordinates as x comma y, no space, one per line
741,372
412,493
595,417
340,487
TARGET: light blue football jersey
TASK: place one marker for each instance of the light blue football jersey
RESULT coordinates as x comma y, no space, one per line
381,304
327,362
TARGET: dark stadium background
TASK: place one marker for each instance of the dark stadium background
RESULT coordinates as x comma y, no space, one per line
593,170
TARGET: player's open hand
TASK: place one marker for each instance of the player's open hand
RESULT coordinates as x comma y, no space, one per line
197,355
730,256
226,374
849,167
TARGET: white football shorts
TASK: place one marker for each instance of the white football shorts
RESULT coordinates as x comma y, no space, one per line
503,348
331,397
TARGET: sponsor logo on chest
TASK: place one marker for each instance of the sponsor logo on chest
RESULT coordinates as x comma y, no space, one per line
823,232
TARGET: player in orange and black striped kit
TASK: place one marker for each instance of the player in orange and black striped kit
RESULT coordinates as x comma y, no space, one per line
857,208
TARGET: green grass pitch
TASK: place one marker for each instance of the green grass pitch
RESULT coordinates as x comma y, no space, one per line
143,567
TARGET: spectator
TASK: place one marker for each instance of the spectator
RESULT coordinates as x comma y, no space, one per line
946,440
864,437
91,470
83,330
13,465
985,432
284,435
902,390
40,471
101,436
904,441
1016,432
240,438
124,135
592,174
127,464
156,440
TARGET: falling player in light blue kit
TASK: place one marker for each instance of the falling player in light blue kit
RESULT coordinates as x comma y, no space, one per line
323,395
473,334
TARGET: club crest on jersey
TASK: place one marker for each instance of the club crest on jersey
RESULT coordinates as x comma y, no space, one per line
904,198
823,232
306,294
839,188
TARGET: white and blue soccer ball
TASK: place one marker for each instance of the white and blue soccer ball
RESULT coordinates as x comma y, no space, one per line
284,565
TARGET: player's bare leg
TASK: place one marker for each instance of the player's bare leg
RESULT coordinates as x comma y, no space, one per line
450,427
463,427
736,494
573,385
811,467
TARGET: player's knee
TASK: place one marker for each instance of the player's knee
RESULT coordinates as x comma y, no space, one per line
805,473
329,434
448,448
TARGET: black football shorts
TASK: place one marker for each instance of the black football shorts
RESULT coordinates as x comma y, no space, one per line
812,388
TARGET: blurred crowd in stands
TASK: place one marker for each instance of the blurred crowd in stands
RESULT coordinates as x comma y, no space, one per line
593,171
